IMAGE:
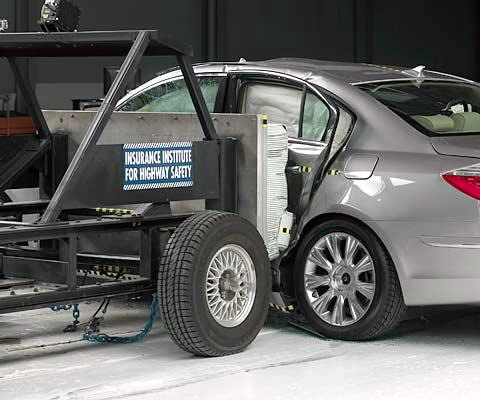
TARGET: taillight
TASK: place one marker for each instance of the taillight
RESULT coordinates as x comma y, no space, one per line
467,180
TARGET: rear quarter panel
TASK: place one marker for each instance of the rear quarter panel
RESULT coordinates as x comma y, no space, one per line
403,201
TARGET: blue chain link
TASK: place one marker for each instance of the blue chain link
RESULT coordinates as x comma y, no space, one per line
103,338
75,313
61,308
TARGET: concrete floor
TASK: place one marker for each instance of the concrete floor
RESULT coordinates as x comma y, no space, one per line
38,361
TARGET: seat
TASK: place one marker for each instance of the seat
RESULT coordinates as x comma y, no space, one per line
466,122
436,123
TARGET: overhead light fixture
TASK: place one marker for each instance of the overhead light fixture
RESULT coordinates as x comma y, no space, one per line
59,16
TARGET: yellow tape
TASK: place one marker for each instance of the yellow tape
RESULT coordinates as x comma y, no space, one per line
264,120
333,172
305,169
118,211
92,272
285,230
287,309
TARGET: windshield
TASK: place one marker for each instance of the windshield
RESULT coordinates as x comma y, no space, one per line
433,107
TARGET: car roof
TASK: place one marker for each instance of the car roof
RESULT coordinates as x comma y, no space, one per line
353,73
330,74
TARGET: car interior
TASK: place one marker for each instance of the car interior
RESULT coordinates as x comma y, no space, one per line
439,107
281,103
457,122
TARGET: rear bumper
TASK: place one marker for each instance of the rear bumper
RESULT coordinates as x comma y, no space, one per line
435,269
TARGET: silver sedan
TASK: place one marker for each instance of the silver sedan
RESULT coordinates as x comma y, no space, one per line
384,182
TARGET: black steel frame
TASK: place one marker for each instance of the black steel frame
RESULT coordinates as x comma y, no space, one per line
62,266
60,228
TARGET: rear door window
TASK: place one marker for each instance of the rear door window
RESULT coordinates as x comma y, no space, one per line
316,115
303,114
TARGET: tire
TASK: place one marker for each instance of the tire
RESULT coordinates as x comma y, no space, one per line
5,198
182,284
364,315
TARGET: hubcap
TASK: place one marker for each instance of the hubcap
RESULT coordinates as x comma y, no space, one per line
230,285
339,279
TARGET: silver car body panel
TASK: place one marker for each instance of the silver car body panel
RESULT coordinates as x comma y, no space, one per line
390,180
463,146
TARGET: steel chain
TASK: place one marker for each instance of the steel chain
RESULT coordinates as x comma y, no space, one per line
103,338
61,308
75,313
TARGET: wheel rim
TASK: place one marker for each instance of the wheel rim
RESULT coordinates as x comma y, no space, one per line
230,285
339,279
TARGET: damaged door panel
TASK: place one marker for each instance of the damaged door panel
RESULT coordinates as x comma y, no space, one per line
307,115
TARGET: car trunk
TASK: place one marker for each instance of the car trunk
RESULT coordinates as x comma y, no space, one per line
463,146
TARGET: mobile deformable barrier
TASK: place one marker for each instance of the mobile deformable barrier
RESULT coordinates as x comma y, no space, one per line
211,268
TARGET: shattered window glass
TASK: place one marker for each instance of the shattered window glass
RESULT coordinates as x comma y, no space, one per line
173,96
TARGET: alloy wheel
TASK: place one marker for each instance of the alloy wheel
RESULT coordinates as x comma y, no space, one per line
339,279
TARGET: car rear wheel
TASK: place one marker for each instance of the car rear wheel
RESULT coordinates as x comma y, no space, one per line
346,284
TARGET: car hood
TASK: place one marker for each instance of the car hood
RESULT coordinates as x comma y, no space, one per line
463,146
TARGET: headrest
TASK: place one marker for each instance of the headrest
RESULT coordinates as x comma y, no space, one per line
435,123
467,121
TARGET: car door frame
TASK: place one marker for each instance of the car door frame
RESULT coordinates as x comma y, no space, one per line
232,103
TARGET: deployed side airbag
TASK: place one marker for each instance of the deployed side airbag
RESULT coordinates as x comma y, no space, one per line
281,104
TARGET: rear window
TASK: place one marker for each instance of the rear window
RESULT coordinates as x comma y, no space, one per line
433,107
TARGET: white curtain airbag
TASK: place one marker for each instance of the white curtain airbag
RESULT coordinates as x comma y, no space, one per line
281,104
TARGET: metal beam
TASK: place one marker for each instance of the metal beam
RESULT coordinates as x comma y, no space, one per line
15,234
68,253
22,18
27,159
45,299
197,98
35,268
24,207
228,199
30,99
98,124
146,253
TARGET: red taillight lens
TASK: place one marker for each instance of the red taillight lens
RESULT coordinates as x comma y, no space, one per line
468,184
